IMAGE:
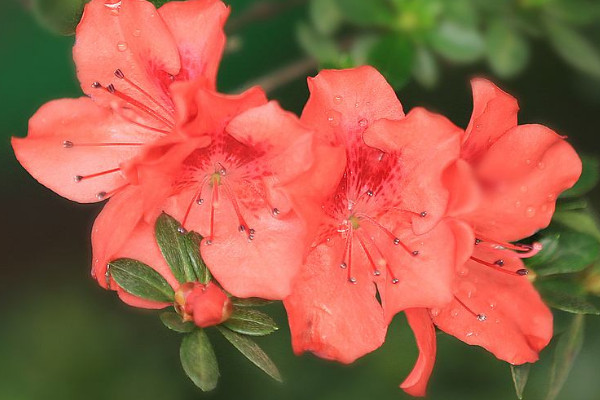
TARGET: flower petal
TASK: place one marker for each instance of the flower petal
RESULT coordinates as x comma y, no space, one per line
517,323
57,149
494,113
328,315
424,280
197,27
420,322
520,191
465,193
130,36
343,103
413,139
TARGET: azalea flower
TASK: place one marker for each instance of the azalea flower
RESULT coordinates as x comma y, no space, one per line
513,174
375,219
205,304
128,56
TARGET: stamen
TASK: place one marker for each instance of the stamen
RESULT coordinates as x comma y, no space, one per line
194,197
498,264
119,74
348,256
480,317
79,178
396,240
214,198
103,195
67,144
242,222
523,250
388,267
376,271
112,90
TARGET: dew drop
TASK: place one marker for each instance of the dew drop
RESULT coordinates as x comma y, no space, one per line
332,118
492,304
517,204
551,197
454,312
541,165
363,123
67,144
469,334
530,212
137,32
463,271
528,162
122,46
481,317
338,99
435,312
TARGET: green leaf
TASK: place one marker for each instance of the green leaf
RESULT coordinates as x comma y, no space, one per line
325,16
574,48
507,51
425,69
181,250
140,280
393,56
520,374
580,221
199,361
250,302
457,43
578,12
590,175
322,48
376,13
251,322
252,351
567,348
565,252
60,16
568,302
173,321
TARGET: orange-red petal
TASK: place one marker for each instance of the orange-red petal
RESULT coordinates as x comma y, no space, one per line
420,322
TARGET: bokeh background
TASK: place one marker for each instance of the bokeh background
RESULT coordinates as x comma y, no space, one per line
62,337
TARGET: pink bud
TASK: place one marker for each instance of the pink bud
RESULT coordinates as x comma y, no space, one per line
206,305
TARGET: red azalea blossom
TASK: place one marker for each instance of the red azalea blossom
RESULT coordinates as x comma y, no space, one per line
516,173
376,219
128,54
206,305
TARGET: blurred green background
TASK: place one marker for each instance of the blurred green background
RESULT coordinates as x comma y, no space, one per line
62,337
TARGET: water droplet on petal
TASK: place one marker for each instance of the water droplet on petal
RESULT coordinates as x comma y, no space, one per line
541,165
137,32
551,197
463,271
332,118
469,334
435,312
122,46
338,99
517,204
454,313
528,162
481,317
343,265
363,123
530,212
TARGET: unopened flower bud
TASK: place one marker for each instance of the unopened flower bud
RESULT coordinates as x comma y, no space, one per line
206,305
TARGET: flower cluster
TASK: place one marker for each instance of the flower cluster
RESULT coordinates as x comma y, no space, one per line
350,214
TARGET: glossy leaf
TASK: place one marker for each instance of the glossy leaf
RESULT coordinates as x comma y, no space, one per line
574,48
181,250
578,12
140,280
458,43
318,46
562,298
252,351
199,361
567,348
507,51
325,15
565,252
173,321
251,322
250,302
393,56
520,374
581,221
590,175
425,69
367,13
60,16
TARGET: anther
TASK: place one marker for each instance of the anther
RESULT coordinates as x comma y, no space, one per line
477,241
101,195
208,242
343,265
370,193
241,228
181,230
77,178
522,272
107,276
276,211
396,241
251,231
395,281
67,144
111,88
352,279
499,263
250,237
199,201
423,214
481,317
96,85
119,74
415,252
377,272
